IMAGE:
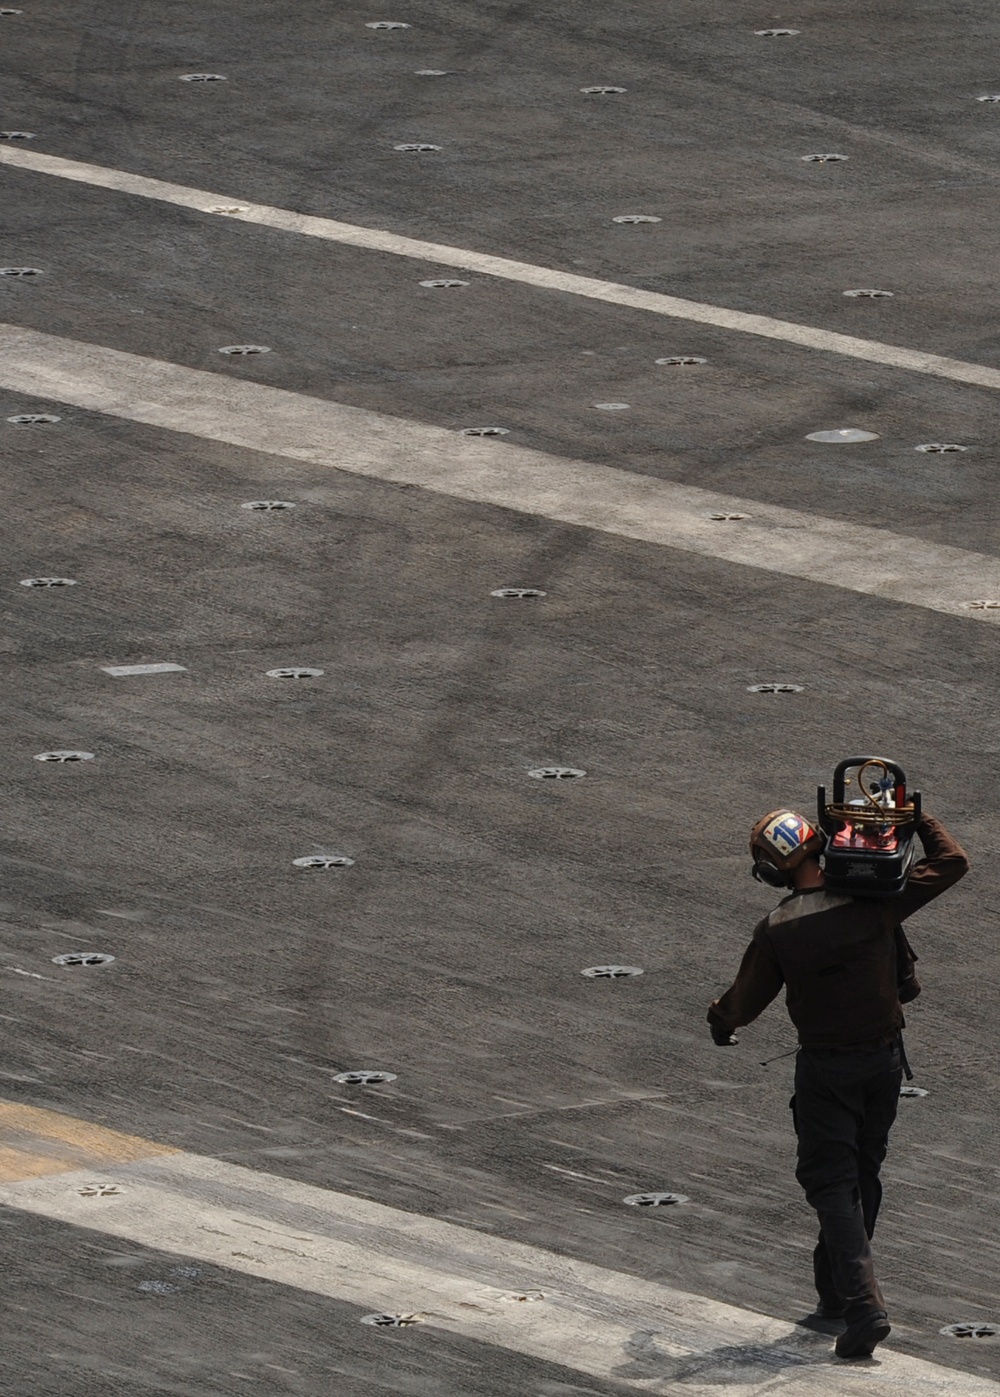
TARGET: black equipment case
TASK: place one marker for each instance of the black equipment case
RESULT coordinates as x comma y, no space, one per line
869,836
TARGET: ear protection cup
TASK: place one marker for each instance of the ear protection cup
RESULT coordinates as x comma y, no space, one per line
779,843
766,872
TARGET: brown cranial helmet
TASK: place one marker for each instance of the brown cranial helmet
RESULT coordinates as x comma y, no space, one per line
779,843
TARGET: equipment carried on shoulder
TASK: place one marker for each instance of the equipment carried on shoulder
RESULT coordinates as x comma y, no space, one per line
869,838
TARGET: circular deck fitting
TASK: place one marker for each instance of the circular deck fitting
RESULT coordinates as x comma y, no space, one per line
268,506
823,159
323,861
64,756
294,673
935,447
229,208
983,605
775,688
680,359
610,972
843,434
612,407
518,593
415,145
364,1078
991,97
17,135
867,293
386,1321
556,773
33,419
386,24
83,958
48,582
912,1091
21,271
776,33
654,1200
245,349
440,283
636,218
971,1329
728,518
202,77
602,91
485,432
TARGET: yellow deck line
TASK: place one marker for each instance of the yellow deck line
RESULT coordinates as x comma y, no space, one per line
35,1142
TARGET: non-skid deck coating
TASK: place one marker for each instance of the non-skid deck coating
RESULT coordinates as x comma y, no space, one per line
528,1101
504,268
589,1320
343,438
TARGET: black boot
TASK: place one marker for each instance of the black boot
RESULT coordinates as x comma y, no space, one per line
859,1339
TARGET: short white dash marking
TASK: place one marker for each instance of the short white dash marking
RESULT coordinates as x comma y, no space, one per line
119,670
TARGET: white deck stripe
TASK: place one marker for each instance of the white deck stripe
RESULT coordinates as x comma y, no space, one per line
594,1321
217,407
805,336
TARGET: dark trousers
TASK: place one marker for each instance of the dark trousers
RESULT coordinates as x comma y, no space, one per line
843,1109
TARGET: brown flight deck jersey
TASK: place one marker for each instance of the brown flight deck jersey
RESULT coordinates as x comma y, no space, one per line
837,955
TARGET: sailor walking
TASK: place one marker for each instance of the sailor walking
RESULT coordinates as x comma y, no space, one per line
847,969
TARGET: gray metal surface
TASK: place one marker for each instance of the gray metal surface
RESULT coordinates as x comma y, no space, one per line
530,1100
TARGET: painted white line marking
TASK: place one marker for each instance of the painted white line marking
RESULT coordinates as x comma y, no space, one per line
591,1320
330,435
119,670
377,240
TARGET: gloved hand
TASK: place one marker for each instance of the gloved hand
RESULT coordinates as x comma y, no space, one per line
722,1038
